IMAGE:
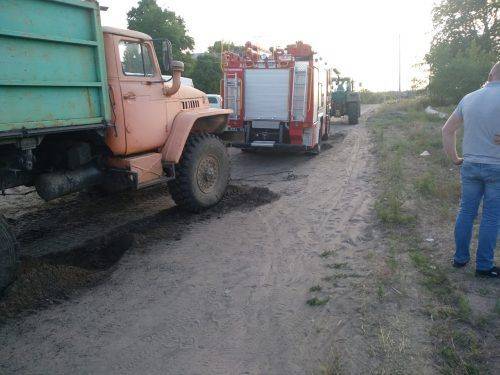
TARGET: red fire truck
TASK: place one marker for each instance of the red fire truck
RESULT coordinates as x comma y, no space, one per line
279,97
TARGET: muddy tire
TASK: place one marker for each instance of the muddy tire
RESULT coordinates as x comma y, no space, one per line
202,174
353,113
9,255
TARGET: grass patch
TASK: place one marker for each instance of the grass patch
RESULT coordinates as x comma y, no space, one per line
315,288
317,301
483,291
453,360
380,291
390,205
391,261
390,211
463,307
336,266
334,367
426,184
327,253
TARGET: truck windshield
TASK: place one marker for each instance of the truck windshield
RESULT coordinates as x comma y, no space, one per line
136,59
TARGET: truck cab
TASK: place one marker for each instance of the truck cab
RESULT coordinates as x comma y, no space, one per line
84,106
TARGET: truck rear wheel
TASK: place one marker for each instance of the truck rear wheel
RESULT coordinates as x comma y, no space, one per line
202,174
353,113
316,150
9,261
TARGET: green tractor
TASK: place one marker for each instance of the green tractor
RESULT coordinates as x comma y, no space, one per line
344,100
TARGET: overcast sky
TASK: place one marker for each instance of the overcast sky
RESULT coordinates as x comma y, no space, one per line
359,37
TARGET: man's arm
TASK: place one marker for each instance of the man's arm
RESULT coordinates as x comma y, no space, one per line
449,137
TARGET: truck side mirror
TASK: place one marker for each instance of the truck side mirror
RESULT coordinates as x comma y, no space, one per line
166,48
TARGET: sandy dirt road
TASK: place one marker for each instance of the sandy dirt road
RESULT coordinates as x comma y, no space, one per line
225,294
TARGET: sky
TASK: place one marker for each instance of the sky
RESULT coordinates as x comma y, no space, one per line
358,37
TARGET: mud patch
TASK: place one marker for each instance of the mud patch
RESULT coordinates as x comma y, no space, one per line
55,277
326,146
58,276
245,198
338,136
98,256
40,284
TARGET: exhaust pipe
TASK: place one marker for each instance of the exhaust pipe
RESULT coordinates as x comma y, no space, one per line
177,69
57,184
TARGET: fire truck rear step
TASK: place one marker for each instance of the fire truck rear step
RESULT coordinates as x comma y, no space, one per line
262,144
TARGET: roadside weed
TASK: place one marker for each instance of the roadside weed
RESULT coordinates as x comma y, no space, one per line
315,288
317,301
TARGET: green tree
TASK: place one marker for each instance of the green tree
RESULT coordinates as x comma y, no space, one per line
206,73
160,23
227,46
458,22
206,70
455,74
466,43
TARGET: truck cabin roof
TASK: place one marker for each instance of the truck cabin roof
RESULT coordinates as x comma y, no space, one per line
125,32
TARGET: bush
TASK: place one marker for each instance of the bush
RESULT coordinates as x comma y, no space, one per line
454,76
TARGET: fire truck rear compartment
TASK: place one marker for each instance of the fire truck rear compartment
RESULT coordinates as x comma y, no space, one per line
278,97
267,131
266,134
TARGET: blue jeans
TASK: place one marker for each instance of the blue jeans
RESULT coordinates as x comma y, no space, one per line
479,181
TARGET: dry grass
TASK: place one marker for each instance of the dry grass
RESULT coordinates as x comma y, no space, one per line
417,191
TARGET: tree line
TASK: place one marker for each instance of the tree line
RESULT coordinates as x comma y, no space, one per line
205,68
465,45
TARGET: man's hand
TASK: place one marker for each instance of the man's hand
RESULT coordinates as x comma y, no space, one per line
497,139
449,137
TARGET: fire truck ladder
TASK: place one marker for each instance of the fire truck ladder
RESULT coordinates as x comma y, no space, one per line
299,98
232,88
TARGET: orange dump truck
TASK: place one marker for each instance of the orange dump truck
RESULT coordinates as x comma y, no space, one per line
84,106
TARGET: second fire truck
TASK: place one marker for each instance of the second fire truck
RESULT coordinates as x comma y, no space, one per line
279,98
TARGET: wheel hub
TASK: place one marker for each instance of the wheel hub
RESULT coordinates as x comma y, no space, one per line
207,173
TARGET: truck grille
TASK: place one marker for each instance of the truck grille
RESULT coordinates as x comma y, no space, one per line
188,104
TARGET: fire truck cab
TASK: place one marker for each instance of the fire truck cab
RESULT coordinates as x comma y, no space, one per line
279,98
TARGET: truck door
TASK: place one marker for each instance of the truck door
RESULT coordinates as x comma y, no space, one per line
144,105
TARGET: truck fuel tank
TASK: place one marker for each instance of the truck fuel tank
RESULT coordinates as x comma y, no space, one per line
57,184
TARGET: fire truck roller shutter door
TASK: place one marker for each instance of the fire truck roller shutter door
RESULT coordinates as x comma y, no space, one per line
267,94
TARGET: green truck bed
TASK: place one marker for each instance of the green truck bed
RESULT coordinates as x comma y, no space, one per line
52,67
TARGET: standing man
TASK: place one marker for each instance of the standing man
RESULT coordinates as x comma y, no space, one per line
479,112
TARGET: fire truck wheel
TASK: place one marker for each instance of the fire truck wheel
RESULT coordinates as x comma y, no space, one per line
316,150
326,133
202,174
9,261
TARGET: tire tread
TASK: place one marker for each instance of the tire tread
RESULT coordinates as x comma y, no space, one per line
180,188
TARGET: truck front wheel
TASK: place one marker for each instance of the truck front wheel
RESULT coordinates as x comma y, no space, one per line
202,174
9,261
